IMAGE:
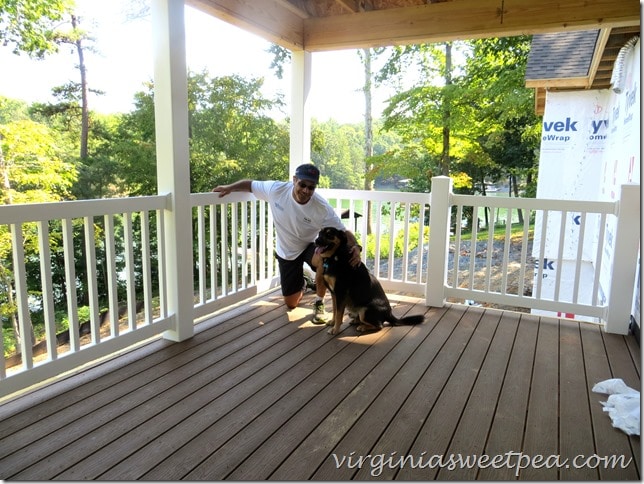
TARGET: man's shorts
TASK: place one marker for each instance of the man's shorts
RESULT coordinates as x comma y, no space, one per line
292,271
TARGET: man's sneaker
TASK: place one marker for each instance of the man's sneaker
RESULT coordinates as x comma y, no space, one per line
309,283
320,313
353,318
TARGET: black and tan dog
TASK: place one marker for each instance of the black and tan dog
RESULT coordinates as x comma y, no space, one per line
354,288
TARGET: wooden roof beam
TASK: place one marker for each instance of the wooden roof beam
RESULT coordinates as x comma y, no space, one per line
278,21
602,39
565,82
464,19
350,6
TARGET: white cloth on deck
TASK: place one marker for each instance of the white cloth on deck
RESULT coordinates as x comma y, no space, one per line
622,406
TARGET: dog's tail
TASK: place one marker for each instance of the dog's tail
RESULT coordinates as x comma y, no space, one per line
407,320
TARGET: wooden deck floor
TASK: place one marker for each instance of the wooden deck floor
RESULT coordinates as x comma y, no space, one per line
261,393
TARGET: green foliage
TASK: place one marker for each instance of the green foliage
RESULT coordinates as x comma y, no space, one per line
63,318
13,110
338,152
231,132
8,342
134,149
508,132
399,242
231,136
281,56
29,26
32,164
470,110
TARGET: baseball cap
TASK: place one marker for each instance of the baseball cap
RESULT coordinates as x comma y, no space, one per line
308,172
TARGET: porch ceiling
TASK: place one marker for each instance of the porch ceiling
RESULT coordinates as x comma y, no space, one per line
320,25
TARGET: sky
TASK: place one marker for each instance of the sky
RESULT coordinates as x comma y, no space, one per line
123,62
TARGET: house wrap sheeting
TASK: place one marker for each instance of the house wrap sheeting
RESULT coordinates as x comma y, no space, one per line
590,146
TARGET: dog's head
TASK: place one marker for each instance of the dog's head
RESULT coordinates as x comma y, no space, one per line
329,240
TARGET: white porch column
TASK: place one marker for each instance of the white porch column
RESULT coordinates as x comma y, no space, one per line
173,158
622,276
439,217
300,150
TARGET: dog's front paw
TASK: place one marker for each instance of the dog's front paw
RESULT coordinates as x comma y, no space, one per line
367,328
331,330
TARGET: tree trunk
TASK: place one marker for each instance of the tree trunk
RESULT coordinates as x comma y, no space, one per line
515,187
8,200
445,156
84,91
368,130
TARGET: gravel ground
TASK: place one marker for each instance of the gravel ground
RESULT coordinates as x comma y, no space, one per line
480,268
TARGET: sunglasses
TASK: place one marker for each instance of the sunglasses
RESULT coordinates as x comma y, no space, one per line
301,184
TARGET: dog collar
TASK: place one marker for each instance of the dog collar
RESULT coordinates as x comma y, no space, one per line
325,261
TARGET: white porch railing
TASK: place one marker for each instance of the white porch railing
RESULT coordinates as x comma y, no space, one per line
232,254
234,250
107,240
570,257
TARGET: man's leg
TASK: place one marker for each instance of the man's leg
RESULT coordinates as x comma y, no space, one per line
320,316
320,287
291,280
292,300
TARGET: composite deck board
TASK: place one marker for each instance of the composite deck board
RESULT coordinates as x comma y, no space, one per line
509,420
187,421
363,434
575,428
634,350
169,382
315,375
474,426
437,429
608,441
283,441
310,453
542,420
450,335
261,393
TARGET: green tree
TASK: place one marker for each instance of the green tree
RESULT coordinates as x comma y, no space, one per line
427,114
467,101
30,26
33,169
134,148
338,152
73,97
231,135
12,110
32,164
508,126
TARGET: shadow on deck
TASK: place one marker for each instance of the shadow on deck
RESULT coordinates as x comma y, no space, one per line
261,393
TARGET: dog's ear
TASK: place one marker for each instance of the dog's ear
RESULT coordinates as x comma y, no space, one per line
342,235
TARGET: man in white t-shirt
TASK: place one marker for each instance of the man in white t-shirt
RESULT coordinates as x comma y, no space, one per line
298,214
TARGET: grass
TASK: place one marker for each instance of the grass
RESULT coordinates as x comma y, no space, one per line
499,232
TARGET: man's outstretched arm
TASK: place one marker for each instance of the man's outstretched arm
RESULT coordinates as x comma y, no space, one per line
238,186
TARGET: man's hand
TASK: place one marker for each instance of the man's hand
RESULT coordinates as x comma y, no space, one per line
355,249
238,186
223,190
